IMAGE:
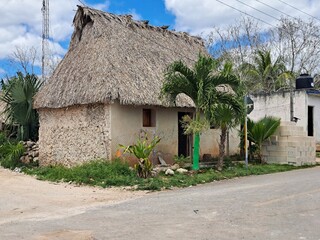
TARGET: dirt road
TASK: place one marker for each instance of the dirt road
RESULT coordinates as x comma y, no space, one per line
274,206
24,198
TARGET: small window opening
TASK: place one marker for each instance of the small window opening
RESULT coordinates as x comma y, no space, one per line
149,118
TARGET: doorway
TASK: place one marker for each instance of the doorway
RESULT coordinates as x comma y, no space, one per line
310,121
184,141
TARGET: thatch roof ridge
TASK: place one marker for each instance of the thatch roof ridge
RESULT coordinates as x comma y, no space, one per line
127,21
113,57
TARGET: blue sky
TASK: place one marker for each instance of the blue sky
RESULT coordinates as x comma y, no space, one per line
21,20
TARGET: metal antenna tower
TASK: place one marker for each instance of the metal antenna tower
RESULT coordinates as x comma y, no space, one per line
45,38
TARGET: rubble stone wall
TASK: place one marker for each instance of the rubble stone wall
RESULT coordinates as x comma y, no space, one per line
74,135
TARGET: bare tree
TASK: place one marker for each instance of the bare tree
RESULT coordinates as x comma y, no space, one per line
295,41
236,42
298,42
24,59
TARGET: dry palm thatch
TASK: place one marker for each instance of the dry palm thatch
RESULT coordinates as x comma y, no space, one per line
113,57
2,108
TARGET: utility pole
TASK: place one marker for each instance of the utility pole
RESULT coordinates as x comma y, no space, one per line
45,38
248,106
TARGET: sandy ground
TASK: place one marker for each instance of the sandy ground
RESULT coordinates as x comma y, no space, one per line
23,198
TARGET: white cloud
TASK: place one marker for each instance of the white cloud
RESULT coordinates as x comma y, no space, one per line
102,6
2,71
200,16
21,24
134,14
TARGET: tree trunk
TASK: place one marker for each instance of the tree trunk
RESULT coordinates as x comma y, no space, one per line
222,147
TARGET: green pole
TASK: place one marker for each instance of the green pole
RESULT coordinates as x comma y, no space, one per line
196,154
196,145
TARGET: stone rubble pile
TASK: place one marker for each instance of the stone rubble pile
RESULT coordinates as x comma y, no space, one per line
168,170
31,154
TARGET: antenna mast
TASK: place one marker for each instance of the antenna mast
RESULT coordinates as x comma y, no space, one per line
45,38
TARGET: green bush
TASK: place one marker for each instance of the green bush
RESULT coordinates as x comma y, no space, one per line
10,154
182,160
142,150
99,172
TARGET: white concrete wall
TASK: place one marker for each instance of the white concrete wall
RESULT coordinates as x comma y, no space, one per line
278,105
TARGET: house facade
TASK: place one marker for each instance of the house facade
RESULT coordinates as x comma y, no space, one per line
105,92
306,109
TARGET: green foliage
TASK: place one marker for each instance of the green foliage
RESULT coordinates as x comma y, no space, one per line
265,75
204,84
142,150
10,153
3,138
18,93
191,126
226,114
98,173
261,130
143,167
117,173
182,160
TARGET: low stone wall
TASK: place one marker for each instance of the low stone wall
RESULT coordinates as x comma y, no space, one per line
31,154
290,145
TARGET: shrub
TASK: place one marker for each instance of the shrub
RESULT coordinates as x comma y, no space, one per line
10,154
182,161
142,150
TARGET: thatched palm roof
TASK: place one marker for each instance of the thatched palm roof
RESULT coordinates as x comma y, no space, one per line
114,57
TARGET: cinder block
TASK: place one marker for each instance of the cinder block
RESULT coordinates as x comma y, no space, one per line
276,159
278,153
277,148
293,144
292,159
292,153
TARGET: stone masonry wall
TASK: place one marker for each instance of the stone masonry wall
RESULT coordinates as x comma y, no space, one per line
290,145
74,135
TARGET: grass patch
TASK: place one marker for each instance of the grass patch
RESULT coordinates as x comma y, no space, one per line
117,173
96,173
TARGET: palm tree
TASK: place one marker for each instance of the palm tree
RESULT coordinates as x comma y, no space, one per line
226,115
261,130
265,75
18,93
202,84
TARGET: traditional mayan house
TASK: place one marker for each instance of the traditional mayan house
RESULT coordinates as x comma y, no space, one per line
106,90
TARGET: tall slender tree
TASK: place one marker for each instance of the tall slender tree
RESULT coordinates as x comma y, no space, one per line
227,114
203,84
